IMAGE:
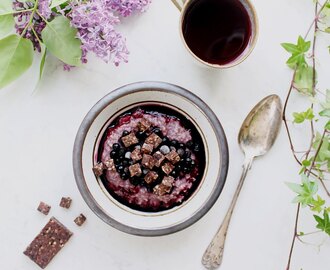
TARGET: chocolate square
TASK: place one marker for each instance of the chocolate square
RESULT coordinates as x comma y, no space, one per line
135,170
129,140
159,158
110,165
44,208
168,181
80,220
147,148
154,139
148,161
173,157
48,243
136,154
167,168
161,189
150,177
144,124
65,202
98,169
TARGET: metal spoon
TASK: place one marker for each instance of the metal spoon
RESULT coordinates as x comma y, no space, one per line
257,135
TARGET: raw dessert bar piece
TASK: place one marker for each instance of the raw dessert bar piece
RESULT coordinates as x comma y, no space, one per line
44,208
80,220
48,243
66,202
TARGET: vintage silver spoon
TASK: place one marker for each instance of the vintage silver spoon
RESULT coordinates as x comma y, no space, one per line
257,135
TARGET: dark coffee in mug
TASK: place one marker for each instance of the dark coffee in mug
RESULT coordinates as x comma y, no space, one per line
217,31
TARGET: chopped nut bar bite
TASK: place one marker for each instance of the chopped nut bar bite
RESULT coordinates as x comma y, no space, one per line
66,202
80,220
44,208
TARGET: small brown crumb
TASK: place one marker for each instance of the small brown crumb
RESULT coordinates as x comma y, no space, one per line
136,154
80,220
129,140
135,170
66,202
48,243
44,208
173,157
159,158
150,177
98,169
110,165
148,161
154,139
146,148
144,124
167,168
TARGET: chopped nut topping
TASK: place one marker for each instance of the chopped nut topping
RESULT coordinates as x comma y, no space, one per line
110,165
150,177
129,140
66,202
167,168
148,161
136,154
144,124
98,169
159,158
147,148
154,139
80,220
135,169
44,208
173,157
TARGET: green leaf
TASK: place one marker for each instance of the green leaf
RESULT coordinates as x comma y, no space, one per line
317,204
6,7
303,45
303,80
16,56
327,30
323,223
327,126
325,113
306,163
301,117
298,52
42,61
291,48
6,25
60,39
56,3
305,191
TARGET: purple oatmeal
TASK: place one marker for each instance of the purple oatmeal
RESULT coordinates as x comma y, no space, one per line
150,158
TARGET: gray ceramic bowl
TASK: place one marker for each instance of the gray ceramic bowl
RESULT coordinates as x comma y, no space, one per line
138,222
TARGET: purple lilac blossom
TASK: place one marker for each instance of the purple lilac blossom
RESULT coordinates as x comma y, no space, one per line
127,7
96,23
44,9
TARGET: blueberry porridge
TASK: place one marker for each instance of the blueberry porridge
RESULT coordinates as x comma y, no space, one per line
150,158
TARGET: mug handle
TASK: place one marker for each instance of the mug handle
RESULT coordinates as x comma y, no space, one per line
179,3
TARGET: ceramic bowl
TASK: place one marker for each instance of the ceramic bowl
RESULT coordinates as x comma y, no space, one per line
150,223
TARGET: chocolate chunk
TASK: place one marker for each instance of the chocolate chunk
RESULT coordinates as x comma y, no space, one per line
48,243
110,165
159,158
80,220
136,154
65,202
167,168
147,148
148,161
164,187
168,181
135,170
44,208
144,124
129,140
150,177
154,139
98,169
173,157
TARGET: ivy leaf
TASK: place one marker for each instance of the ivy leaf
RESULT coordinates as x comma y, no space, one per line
305,191
298,52
323,223
6,24
16,55
56,3
325,113
60,39
303,79
301,117
317,205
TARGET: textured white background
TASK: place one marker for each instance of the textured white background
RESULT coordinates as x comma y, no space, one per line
38,129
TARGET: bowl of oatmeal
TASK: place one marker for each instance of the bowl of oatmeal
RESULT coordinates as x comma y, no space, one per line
150,158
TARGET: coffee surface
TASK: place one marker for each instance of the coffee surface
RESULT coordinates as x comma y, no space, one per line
217,31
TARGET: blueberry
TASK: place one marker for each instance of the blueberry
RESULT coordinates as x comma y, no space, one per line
181,152
164,149
121,152
174,173
120,168
117,160
196,147
165,140
116,146
131,162
113,154
181,145
125,133
140,135
179,167
158,132
172,148
121,158
125,162
187,153
126,170
186,169
145,171
174,143
135,180
189,144
124,176
128,155
188,160
192,163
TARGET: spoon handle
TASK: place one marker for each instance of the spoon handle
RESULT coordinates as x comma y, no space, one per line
212,257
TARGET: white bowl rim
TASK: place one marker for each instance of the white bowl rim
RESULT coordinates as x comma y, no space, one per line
98,108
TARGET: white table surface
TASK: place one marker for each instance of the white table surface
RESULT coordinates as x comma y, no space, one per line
38,130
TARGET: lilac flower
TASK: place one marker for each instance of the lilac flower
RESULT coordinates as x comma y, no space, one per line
127,7
96,23
44,9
